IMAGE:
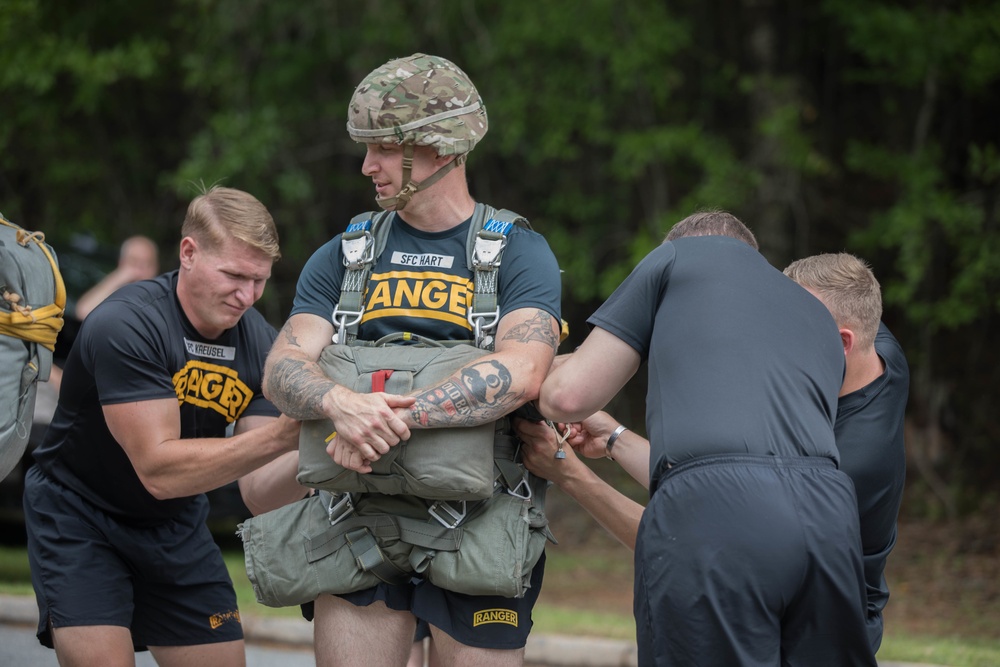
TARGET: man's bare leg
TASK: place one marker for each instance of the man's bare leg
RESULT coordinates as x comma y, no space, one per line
346,635
447,651
418,653
221,654
94,646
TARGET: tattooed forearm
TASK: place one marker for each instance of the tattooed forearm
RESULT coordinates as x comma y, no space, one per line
481,393
537,328
297,390
289,336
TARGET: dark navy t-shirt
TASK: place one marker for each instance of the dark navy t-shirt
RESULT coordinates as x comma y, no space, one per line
869,432
421,283
138,345
742,360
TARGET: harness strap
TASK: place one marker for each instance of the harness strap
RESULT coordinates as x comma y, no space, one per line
365,238
361,534
370,557
510,473
361,244
484,249
418,532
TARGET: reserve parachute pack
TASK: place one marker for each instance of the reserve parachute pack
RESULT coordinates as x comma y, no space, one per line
440,464
453,505
31,316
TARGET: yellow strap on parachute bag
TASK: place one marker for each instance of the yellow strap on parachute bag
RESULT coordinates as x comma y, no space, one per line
32,301
19,318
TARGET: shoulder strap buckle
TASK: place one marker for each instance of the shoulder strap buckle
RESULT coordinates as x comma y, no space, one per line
358,248
487,251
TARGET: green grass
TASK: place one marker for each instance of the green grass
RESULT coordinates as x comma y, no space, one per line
585,623
549,619
952,651
15,577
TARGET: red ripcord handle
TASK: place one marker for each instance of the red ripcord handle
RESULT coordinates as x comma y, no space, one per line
378,380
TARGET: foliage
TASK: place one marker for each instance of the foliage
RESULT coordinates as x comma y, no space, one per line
934,224
90,105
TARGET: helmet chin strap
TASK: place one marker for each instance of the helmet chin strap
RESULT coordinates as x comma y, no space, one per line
399,201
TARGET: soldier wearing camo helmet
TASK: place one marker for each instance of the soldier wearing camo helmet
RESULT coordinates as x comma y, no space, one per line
420,100
418,118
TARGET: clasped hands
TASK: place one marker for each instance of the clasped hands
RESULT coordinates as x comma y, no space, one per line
367,426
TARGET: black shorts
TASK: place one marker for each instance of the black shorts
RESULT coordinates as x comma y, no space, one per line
751,560
168,583
482,621
423,630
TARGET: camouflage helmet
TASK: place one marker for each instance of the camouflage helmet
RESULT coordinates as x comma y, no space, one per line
421,100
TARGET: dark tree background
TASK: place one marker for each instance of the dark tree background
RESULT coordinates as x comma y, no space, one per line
871,126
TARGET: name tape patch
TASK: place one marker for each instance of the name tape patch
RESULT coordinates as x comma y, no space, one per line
210,351
424,259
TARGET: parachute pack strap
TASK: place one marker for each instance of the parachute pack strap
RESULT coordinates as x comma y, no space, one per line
40,324
334,537
484,250
360,244
428,535
360,534
510,473
418,532
370,557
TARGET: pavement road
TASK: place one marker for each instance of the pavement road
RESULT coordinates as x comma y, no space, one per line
287,642
20,648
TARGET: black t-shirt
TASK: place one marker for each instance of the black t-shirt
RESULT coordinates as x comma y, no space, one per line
421,283
869,433
742,360
137,346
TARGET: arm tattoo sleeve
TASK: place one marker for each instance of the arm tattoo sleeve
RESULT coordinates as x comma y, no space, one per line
481,393
537,328
297,390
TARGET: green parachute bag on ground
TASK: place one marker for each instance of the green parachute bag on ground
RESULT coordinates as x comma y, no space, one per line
31,316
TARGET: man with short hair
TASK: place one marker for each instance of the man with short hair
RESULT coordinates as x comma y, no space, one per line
868,429
870,409
419,117
748,551
115,506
